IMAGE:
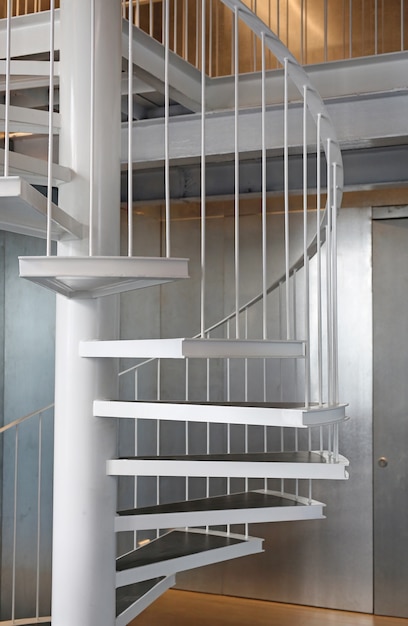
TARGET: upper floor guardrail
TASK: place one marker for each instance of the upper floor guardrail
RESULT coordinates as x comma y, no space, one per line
315,31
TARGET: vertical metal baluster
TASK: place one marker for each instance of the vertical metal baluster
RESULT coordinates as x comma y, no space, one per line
321,443
402,25
334,290
236,169
130,130
7,95
329,286
151,17
175,16
210,39
302,42
375,26
50,129
13,588
228,400
264,224
264,178
166,124
319,265
137,15
246,400
185,14
37,583
187,429
203,172
351,29
336,442
309,447
286,192
135,482
305,254
92,131
325,29
254,38
296,450
158,423
363,28
197,57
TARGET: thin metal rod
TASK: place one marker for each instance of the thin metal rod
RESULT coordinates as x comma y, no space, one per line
135,482
286,191
175,25
130,129
350,28
197,32
50,129
37,583
325,29
7,99
151,16
166,124
236,162
375,26
334,290
185,14
92,131
203,171
305,254
402,25
246,360
264,239
329,306
13,590
302,30
210,39
319,266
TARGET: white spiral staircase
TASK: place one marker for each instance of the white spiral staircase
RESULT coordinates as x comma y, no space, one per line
300,441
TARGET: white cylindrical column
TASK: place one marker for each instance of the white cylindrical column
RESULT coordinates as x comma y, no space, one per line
84,497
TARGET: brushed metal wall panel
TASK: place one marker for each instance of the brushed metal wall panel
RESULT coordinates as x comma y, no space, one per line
390,271
326,562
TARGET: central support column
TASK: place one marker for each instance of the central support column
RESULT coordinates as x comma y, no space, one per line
83,586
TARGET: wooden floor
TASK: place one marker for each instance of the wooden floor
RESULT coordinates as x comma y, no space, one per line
183,608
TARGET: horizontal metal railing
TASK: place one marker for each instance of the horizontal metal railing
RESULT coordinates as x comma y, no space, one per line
10,617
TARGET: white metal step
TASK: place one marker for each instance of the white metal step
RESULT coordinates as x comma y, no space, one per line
23,210
181,348
181,550
31,34
92,277
302,465
131,600
239,508
261,414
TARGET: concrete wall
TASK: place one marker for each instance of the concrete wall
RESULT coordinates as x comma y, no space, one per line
27,313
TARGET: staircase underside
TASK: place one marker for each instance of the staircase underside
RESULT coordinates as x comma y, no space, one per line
259,413
240,508
131,600
302,465
23,210
180,550
92,277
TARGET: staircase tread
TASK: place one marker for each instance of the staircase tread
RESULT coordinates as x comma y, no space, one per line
251,499
251,457
261,405
128,595
175,544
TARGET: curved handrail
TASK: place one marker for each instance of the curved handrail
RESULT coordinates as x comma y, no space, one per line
20,420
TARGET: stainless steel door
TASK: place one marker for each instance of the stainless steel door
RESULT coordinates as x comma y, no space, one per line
390,284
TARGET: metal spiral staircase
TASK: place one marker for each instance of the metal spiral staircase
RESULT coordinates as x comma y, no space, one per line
300,429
